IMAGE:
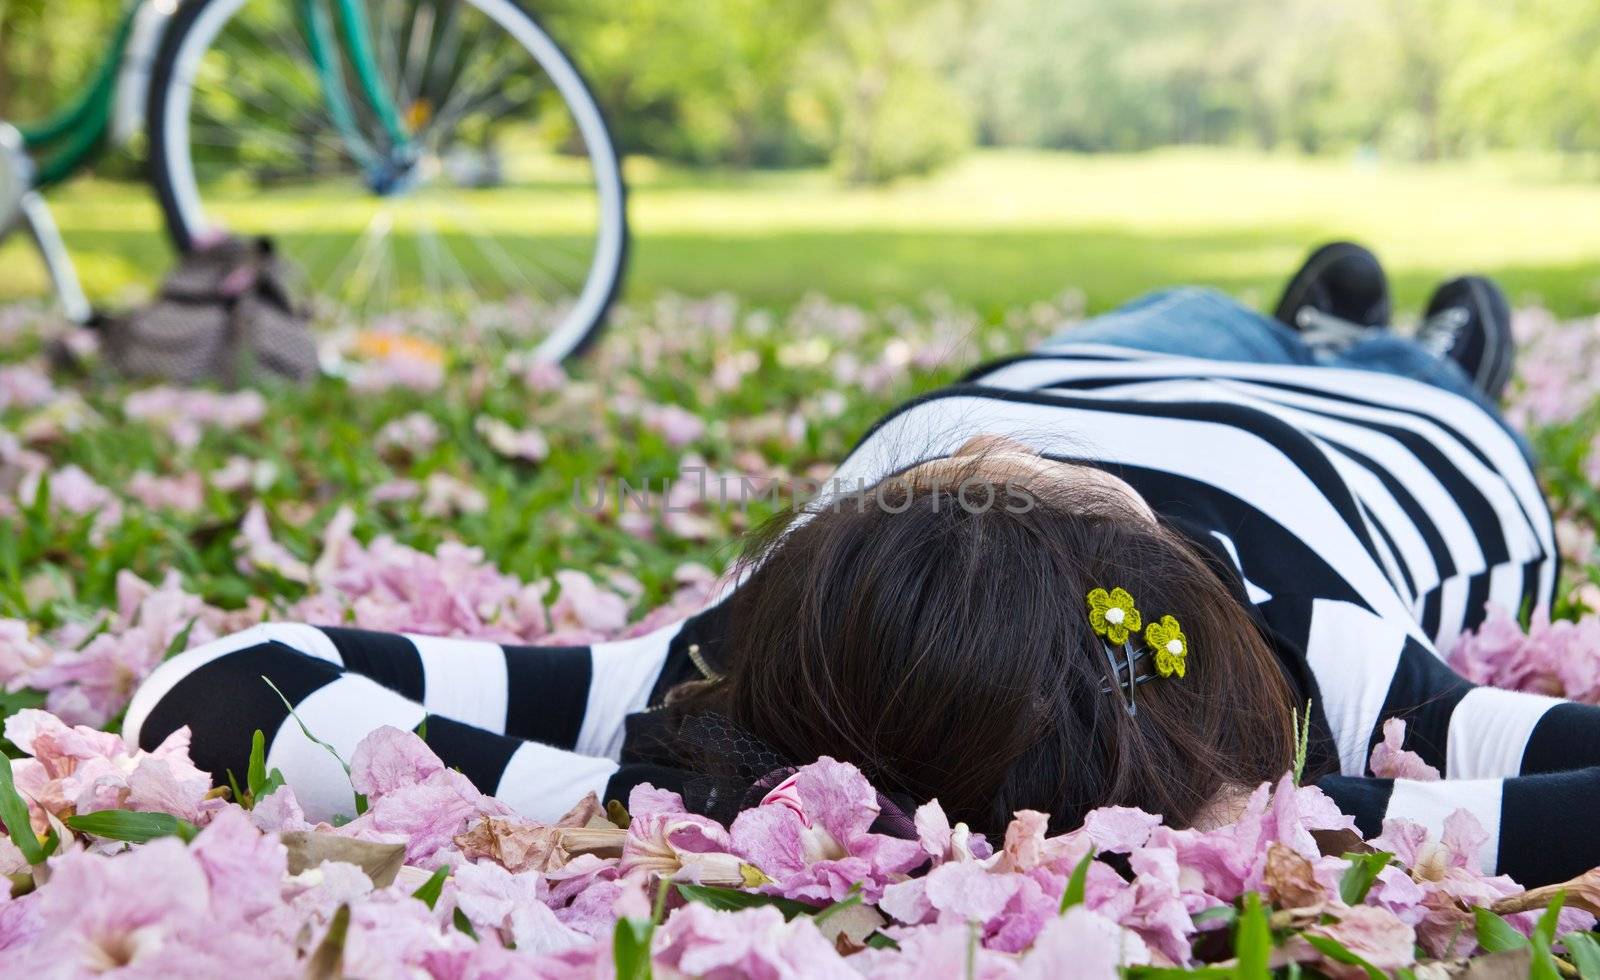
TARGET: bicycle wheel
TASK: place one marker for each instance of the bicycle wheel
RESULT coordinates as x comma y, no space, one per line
488,183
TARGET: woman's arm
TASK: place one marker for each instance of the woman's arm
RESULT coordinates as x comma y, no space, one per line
1527,766
1366,670
537,726
1534,823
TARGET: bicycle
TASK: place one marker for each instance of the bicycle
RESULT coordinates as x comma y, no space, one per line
407,155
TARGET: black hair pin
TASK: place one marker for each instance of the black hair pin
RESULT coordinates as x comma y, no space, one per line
1127,677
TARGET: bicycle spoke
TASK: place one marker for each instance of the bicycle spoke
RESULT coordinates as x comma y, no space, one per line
569,265
496,253
427,237
389,58
413,70
287,154
449,113
454,269
328,245
472,84
254,98
575,267
228,136
444,54
264,114
381,282
372,265
497,106
359,248
430,263
271,52
359,126
573,258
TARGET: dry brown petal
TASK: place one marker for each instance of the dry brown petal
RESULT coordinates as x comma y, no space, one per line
1291,882
1432,862
1338,843
600,841
1582,892
1510,964
309,848
584,813
513,844
1295,919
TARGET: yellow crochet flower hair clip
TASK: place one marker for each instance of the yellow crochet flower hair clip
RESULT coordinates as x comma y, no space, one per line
1113,614
1116,618
1170,645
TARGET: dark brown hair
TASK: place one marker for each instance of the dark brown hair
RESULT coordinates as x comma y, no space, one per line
943,646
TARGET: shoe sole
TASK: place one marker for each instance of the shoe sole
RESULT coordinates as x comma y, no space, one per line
1499,350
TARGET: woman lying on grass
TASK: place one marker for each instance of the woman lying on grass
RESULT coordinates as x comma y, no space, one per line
1109,571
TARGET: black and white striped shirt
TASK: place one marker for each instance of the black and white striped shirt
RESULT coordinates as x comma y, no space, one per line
1370,517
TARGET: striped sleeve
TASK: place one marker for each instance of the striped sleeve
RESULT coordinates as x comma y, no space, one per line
536,726
1522,816
1368,669
1364,669
1524,765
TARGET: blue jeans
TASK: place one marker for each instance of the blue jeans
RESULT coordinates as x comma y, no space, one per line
1192,321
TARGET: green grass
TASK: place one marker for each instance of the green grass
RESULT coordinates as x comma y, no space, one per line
782,395
999,229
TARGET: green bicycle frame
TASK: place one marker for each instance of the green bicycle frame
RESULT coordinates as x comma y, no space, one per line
70,138
355,34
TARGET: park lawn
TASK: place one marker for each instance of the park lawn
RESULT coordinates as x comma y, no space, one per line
349,500
999,229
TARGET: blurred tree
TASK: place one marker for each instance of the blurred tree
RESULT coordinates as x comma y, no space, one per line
1422,49
880,67
1532,78
46,48
1421,78
1051,73
885,87
706,82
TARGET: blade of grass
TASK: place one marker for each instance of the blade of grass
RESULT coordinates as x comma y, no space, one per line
1252,942
1495,934
132,826
303,729
1302,741
361,801
429,891
1584,951
1077,884
14,814
1363,871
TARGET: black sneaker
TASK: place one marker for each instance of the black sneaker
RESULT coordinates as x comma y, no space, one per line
1469,321
1338,294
